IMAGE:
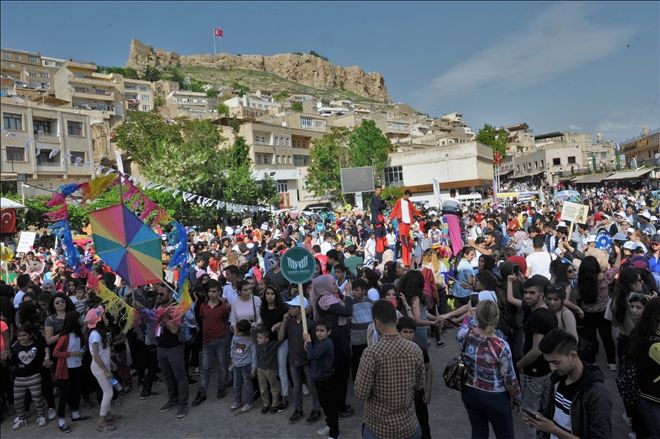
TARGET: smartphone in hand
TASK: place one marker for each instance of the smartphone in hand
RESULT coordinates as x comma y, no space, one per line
528,413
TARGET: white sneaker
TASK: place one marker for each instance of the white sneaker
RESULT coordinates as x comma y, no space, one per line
41,421
52,414
305,389
322,431
18,423
612,367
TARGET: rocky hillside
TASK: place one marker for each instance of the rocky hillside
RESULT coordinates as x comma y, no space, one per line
308,70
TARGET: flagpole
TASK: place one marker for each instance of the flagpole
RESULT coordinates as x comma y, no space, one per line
214,51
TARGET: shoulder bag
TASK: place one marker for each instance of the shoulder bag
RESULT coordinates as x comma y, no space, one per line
455,373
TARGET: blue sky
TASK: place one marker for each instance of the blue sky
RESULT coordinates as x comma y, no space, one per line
588,67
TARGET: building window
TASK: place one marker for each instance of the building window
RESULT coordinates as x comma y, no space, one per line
542,164
77,158
556,161
145,108
46,158
79,75
6,55
33,59
42,127
15,154
394,176
74,128
12,121
282,186
571,160
305,122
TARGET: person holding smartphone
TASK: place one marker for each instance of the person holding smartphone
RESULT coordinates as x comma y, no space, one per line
464,281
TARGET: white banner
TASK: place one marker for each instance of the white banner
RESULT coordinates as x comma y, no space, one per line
25,242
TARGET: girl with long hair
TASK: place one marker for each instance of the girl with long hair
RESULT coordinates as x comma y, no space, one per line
412,287
593,295
68,351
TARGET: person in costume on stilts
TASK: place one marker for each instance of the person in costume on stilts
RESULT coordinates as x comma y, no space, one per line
451,209
378,222
405,211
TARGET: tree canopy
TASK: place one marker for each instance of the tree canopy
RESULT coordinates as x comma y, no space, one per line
188,154
341,148
496,138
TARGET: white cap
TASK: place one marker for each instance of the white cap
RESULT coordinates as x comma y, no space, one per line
590,238
621,214
296,302
645,214
630,245
654,218
630,230
487,295
561,224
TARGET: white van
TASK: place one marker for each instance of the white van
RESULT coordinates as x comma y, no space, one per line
469,199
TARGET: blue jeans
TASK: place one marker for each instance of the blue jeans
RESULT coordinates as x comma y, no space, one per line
213,350
649,411
484,407
243,381
300,375
535,395
368,433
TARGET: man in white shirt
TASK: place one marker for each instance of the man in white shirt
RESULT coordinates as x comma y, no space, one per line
328,243
22,282
539,261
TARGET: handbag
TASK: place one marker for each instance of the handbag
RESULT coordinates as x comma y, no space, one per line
455,373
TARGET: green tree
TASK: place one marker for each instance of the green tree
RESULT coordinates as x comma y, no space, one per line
142,135
496,138
369,147
297,107
150,73
328,154
223,109
212,93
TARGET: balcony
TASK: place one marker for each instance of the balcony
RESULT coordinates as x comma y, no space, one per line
92,82
99,95
46,138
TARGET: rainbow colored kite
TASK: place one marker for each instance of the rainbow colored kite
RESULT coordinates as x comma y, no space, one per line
127,245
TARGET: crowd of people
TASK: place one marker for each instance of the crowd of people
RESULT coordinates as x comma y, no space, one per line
534,299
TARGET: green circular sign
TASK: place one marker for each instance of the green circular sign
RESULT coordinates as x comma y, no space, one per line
298,265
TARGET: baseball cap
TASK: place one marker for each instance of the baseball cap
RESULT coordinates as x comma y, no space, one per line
630,230
620,236
646,215
590,238
630,245
94,316
621,214
656,238
296,302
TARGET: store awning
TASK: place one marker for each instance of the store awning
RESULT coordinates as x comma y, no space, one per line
533,174
591,178
625,175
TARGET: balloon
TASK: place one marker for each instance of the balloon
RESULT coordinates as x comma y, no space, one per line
7,254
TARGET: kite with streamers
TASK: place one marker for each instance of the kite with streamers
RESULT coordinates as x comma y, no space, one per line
119,309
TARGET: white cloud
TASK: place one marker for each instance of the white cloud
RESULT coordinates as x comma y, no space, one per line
573,127
558,41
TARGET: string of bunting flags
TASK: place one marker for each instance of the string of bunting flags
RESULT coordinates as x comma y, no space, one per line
186,196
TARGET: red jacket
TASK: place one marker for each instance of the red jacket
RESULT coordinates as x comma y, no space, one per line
397,213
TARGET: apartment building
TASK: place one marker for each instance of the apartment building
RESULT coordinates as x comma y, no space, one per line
80,84
138,95
52,145
25,70
467,167
185,103
279,149
642,148
246,106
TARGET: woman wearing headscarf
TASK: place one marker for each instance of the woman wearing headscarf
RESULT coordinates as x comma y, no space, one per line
331,305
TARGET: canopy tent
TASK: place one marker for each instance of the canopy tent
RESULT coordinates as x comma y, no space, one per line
625,175
6,203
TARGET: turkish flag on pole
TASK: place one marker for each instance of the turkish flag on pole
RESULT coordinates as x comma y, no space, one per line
218,32
8,221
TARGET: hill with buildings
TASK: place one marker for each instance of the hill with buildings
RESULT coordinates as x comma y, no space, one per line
291,72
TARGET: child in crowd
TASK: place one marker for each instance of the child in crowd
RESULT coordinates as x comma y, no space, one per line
406,327
69,352
360,321
321,354
28,354
267,372
292,330
99,346
244,364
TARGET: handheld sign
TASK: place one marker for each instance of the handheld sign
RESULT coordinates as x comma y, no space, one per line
575,213
298,266
25,242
